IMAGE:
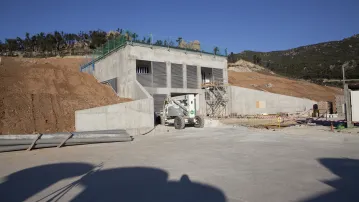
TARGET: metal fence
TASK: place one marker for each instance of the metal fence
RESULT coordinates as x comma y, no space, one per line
183,44
121,39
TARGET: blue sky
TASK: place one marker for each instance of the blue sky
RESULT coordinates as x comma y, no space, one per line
237,25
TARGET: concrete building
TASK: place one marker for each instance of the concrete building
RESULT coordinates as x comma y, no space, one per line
160,70
148,73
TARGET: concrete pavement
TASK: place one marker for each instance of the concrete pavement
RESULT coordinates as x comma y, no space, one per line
210,164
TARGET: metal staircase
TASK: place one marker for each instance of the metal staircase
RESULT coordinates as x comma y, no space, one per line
216,98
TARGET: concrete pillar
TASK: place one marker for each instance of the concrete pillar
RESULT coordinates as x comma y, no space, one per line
199,77
202,104
225,74
184,66
168,70
348,108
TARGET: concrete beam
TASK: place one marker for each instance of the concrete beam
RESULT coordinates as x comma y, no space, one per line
199,76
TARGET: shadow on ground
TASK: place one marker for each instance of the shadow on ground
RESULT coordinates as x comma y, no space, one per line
118,184
345,185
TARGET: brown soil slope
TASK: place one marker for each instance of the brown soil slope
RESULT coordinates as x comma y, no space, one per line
284,86
42,95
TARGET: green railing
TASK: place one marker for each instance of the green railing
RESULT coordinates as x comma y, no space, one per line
168,42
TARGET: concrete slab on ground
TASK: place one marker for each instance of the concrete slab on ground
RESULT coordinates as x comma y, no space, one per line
208,164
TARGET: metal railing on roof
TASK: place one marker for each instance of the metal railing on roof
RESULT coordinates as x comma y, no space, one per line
169,42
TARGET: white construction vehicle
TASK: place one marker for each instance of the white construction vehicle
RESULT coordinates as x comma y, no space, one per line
182,110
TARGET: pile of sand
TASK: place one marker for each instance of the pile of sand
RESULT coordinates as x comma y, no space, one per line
284,86
42,95
245,66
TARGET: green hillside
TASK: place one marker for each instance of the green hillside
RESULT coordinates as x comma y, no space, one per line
313,62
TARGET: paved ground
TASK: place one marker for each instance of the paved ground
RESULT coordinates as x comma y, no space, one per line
211,164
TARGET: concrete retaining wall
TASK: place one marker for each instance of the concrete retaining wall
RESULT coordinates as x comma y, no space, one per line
244,101
137,115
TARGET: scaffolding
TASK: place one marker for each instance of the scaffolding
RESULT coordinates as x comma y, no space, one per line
216,98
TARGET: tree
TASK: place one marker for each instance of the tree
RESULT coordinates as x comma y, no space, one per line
134,36
165,43
171,43
20,44
1,47
128,35
11,45
231,57
144,40
68,39
179,40
97,38
119,31
215,50
34,43
148,40
84,38
159,43
50,43
27,42
41,42
59,40
254,59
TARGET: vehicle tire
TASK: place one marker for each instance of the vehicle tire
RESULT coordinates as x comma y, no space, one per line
199,122
179,123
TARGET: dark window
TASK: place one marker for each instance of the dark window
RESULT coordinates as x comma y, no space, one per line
142,70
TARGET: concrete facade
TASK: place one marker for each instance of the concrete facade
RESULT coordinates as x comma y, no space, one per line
122,65
244,101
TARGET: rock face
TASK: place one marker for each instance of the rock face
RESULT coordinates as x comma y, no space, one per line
244,66
280,85
42,95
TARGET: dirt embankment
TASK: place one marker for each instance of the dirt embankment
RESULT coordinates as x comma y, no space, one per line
42,95
284,86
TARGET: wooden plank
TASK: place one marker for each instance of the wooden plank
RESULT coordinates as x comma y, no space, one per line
34,142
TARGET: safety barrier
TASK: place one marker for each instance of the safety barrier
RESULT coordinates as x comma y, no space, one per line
29,142
121,40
